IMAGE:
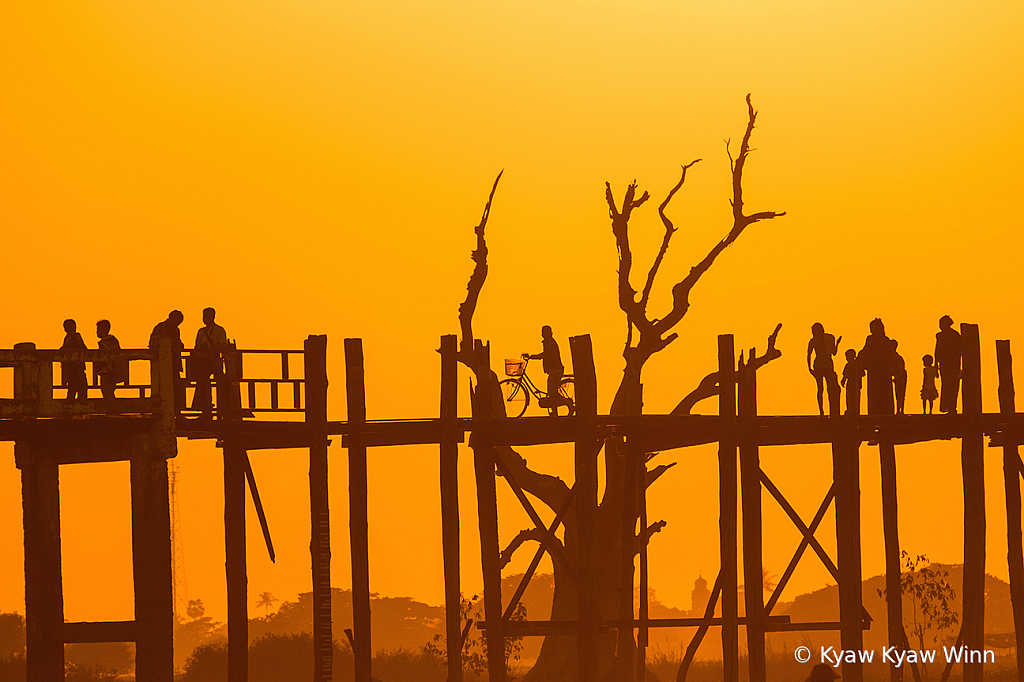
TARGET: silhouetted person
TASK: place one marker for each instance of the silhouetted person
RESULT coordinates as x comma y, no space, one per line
853,374
168,329
72,373
552,358
206,361
876,358
899,377
823,346
822,672
948,355
928,391
111,372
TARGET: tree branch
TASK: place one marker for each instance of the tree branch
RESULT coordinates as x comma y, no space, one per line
681,291
620,229
476,283
645,537
669,230
656,473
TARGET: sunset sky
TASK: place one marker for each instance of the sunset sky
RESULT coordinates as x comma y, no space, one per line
317,168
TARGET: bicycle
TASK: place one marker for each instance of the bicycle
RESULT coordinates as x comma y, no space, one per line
516,391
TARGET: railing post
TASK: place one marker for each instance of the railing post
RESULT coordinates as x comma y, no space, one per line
750,485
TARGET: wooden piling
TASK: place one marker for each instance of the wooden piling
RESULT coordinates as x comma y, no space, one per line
315,373
487,514
973,465
358,521
235,563
750,486
587,448
727,509
893,562
40,495
846,479
449,462
151,564
1011,480
44,598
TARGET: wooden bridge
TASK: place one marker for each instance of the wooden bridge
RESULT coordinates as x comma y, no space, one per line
143,429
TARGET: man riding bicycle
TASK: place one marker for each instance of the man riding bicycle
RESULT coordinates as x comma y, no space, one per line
552,365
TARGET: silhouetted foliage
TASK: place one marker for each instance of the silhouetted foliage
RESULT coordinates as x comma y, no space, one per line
271,659
115,657
474,648
12,634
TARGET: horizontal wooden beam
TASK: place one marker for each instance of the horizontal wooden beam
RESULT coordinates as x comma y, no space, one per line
95,633
530,628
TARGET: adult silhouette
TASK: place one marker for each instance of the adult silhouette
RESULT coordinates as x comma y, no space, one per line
72,372
824,346
552,364
111,372
169,329
206,362
876,357
948,356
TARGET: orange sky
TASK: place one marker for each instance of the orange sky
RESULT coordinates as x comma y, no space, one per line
311,167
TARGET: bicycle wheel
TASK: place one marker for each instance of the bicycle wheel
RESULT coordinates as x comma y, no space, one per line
515,397
567,391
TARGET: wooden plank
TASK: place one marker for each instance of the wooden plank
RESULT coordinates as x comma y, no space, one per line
973,466
358,518
315,373
893,562
235,563
95,633
255,492
753,574
1011,483
728,503
487,515
449,464
588,618
151,559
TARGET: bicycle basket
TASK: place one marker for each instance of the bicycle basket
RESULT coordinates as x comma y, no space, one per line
514,368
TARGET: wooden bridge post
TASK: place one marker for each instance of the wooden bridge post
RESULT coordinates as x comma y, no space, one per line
40,494
893,563
727,508
846,477
973,464
358,519
235,562
1012,470
449,457
315,373
44,598
487,513
750,486
588,615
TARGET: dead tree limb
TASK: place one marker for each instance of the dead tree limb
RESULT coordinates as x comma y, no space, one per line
476,283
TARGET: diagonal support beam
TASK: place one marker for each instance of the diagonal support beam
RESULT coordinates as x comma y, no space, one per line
556,547
259,507
544,546
808,539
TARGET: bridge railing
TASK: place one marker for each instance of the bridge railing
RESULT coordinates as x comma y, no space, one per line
275,384
36,394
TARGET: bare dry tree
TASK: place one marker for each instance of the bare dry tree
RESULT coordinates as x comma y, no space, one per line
646,335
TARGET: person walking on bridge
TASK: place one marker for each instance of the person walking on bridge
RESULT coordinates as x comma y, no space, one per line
111,372
72,372
169,329
207,362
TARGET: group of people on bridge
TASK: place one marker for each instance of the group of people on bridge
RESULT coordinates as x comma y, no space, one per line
886,371
205,362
